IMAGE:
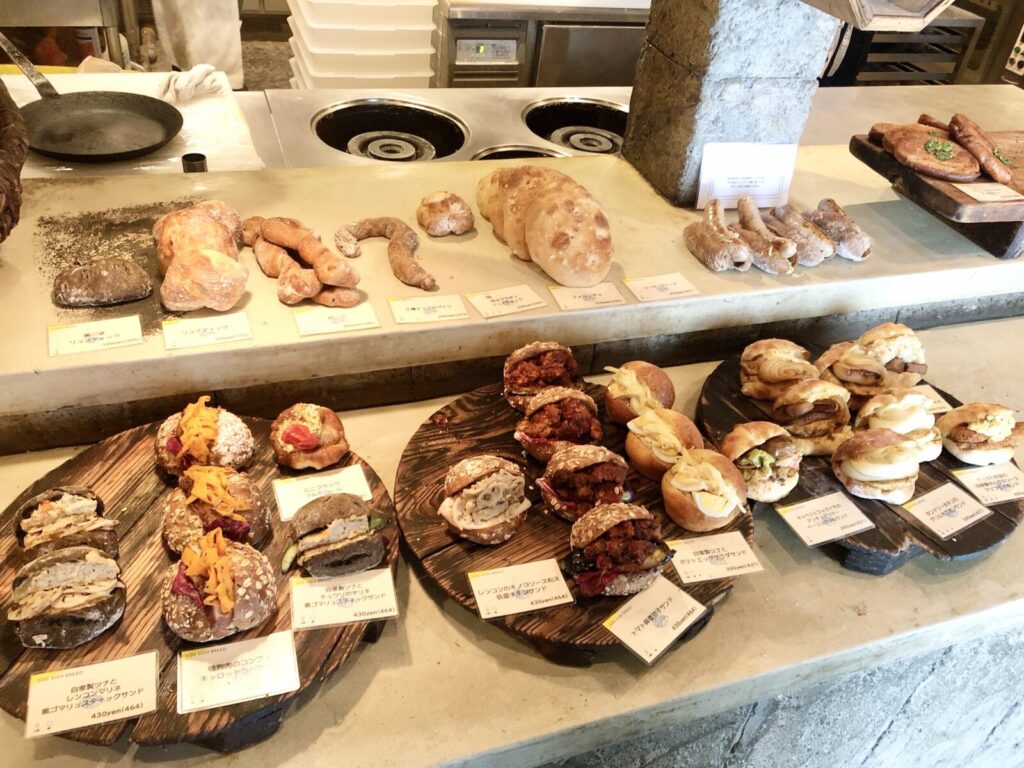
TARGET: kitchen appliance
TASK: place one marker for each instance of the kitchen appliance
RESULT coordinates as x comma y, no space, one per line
998,54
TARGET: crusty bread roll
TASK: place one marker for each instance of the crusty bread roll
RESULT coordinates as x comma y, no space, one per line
636,386
308,436
657,438
720,481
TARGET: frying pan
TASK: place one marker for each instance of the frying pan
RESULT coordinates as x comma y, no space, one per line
92,126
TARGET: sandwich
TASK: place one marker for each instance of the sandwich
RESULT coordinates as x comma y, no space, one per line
66,516
215,497
812,409
219,587
770,366
485,499
848,365
65,598
334,535
657,438
882,464
541,364
901,410
616,549
307,436
981,433
704,491
767,458
557,417
637,387
581,477
897,348
203,435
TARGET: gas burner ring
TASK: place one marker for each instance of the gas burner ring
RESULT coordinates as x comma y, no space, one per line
586,138
393,146
515,152
586,125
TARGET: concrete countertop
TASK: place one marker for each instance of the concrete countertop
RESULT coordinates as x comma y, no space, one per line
442,687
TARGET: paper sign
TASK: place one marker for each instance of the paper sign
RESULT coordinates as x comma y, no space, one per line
93,335
600,295
993,484
312,321
334,600
706,558
292,493
218,675
519,588
653,620
660,287
428,309
824,519
761,171
947,510
181,332
506,301
938,403
95,693
990,192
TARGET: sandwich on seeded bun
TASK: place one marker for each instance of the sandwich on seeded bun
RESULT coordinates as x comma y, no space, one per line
767,458
657,438
581,477
555,418
536,366
65,516
704,491
637,387
334,535
485,499
901,410
202,434
882,464
769,366
981,433
897,348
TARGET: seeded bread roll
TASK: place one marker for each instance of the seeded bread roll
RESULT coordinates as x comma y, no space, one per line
517,393
543,449
234,446
572,459
183,522
485,499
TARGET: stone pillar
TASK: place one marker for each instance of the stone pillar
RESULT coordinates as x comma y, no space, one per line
721,71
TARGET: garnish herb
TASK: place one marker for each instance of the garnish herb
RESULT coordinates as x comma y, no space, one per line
942,150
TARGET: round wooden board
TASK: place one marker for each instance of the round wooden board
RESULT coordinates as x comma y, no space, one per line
122,470
482,422
897,536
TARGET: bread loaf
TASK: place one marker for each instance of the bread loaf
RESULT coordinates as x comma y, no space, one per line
203,278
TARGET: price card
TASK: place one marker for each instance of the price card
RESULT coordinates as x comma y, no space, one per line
428,309
947,510
218,675
762,171
660,287
653,620
92,694
506,301
292,493
720,556
93,335
324,602
600,295
182,332
938,403
990,192
313,321
993,484
824,519
519,588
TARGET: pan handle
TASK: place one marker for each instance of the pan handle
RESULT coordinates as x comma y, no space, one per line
44,86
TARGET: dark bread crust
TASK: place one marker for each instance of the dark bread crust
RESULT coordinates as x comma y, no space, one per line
105,541
323,511
657,382
330,452
600,519
357,555
69,630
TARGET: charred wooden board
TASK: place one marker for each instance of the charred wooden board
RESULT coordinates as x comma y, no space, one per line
121,469
482,422
897,536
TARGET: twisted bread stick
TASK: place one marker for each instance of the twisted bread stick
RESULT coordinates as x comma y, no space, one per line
401,247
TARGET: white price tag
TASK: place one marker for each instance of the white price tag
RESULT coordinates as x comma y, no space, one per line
653,620
719,556
182,332
218,675
519,588
937,403
90,695
428,309
324,602
93,335
506,301
292,493
993,484
600,295
824,519
312,321
660,287
762,171
947,510
990,192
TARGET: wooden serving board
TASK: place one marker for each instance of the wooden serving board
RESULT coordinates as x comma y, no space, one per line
482,422
996,227
122,470
897,536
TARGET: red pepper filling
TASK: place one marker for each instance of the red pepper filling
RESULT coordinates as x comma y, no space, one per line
300,436
182,585
236,530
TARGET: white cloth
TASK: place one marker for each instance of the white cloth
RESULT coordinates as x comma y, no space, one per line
206,32
185,86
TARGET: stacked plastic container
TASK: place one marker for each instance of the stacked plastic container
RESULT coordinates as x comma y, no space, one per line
361,43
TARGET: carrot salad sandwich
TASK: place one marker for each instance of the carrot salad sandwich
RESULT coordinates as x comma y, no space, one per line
203,435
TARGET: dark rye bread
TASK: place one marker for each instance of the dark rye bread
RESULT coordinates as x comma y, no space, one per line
342,557
182,523
323,511
600,519
105,541
110,280
468,471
